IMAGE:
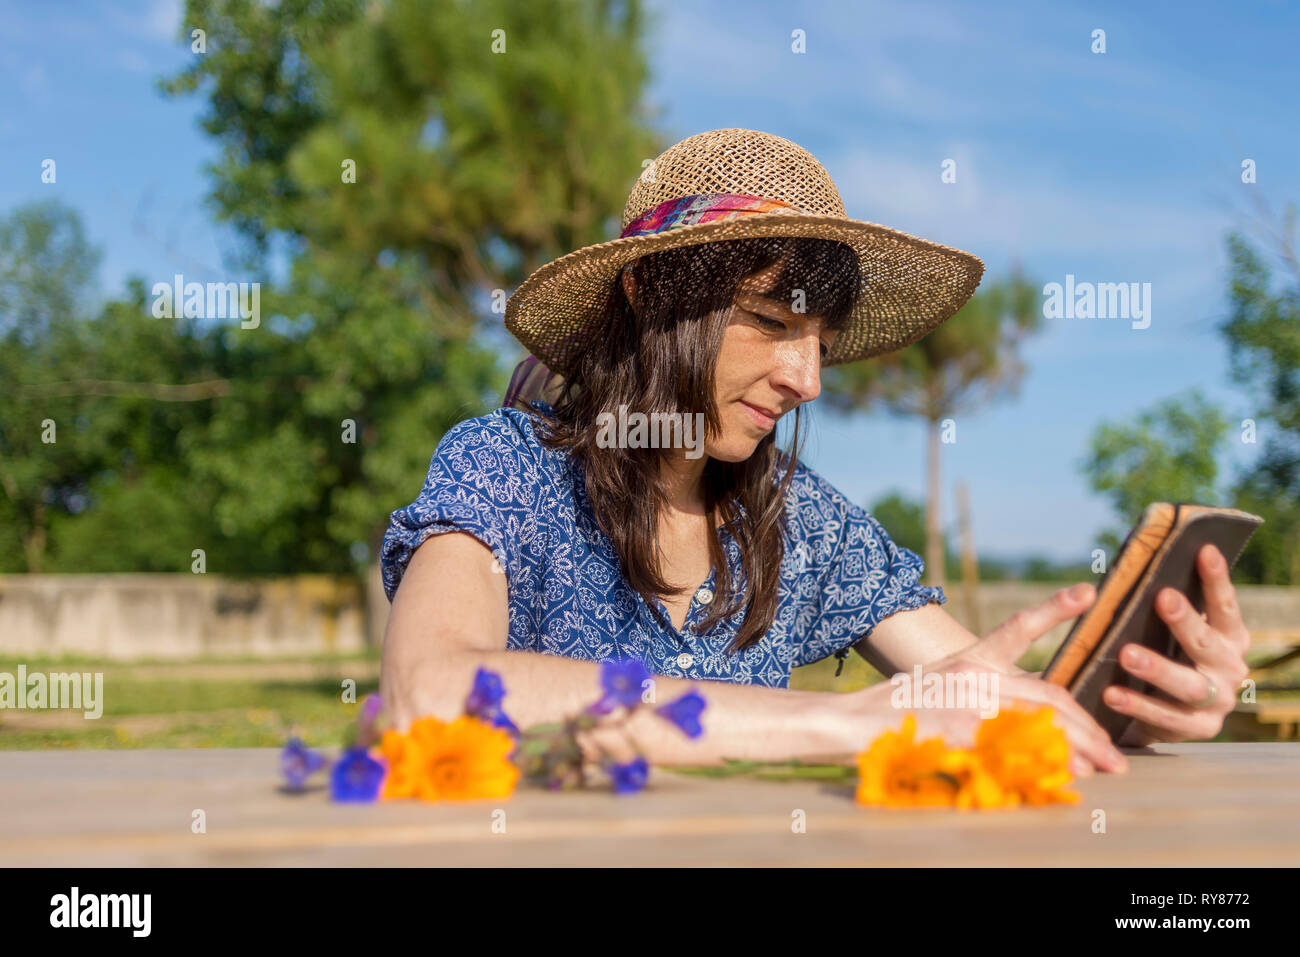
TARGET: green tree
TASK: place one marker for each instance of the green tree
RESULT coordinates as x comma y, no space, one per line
1263,335
1168,455
970,360
282,447
47,453
144,507
92,475
903,518
415,161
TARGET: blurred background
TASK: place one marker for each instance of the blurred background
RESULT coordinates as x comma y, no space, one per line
194,485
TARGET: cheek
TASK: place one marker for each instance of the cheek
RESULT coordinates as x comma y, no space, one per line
744,357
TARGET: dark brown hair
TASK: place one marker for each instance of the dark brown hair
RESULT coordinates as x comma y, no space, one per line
661,357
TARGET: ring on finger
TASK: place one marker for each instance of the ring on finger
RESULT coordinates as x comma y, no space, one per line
1210,695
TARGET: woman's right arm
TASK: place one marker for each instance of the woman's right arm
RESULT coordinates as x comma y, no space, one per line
450,617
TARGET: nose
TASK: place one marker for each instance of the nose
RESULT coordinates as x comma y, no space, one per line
799,368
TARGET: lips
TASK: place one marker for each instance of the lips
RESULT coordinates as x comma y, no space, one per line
766,418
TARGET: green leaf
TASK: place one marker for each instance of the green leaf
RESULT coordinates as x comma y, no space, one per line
770,770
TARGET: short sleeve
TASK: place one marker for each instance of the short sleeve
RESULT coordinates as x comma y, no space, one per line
485,479
866,579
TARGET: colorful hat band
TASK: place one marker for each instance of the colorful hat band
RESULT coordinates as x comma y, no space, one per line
702,208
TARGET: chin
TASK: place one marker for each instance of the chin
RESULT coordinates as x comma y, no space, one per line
734,448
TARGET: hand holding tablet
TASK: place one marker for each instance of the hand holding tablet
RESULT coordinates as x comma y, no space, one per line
1192,663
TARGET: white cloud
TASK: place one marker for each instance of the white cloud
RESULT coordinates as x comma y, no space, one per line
163,19
35,82
158,21
1037,212
132,62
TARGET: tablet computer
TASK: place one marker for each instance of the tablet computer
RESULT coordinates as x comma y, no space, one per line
1159,552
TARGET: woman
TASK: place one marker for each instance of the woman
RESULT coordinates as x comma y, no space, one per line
545,541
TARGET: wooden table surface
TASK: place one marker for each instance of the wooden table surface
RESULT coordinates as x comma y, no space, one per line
1179,805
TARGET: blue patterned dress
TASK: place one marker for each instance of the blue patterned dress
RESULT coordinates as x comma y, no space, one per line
492,477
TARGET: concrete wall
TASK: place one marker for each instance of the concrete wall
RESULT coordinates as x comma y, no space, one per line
178,616
184,616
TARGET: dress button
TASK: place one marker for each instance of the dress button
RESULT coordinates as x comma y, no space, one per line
704,596
685,660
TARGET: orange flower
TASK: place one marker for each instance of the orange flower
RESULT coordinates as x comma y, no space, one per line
976,787
899,772
1020,757
1027,755
404,763
458,760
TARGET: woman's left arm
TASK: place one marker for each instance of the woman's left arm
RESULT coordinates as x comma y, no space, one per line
916,637
1203,693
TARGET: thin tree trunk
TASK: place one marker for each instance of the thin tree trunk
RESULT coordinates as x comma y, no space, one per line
933,539
34,543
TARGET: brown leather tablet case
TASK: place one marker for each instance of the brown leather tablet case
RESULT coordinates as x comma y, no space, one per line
1159,552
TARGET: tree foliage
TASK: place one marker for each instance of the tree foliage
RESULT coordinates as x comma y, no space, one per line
1172,452
392,170
1169,455
1263,335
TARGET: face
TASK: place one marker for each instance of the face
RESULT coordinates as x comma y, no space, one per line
769,364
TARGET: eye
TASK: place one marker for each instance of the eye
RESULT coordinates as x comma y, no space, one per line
769,323
826,350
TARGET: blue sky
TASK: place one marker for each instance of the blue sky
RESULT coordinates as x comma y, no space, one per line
1115,167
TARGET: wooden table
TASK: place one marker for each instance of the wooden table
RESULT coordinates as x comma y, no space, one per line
1184,804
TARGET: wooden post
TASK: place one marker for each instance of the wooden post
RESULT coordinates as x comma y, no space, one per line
935,550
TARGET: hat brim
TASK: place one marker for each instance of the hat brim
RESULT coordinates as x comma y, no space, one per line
910,285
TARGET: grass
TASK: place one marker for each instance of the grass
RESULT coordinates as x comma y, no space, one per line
174,706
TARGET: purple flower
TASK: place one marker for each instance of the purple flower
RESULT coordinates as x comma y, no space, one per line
367,734
356,777
622,681
484,701
298,763
371,705
629,778
685,713
486,694
501,720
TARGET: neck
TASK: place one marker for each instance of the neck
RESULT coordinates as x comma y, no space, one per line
683,480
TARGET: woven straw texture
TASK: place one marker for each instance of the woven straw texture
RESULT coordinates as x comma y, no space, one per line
909,285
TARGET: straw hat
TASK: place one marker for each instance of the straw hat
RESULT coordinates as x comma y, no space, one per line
737,184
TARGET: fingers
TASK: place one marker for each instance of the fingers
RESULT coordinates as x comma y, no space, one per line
1221,598
1009,641
1218,659
1179,681
1170,720
1216,644
1089,745
1204,644
1088,739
